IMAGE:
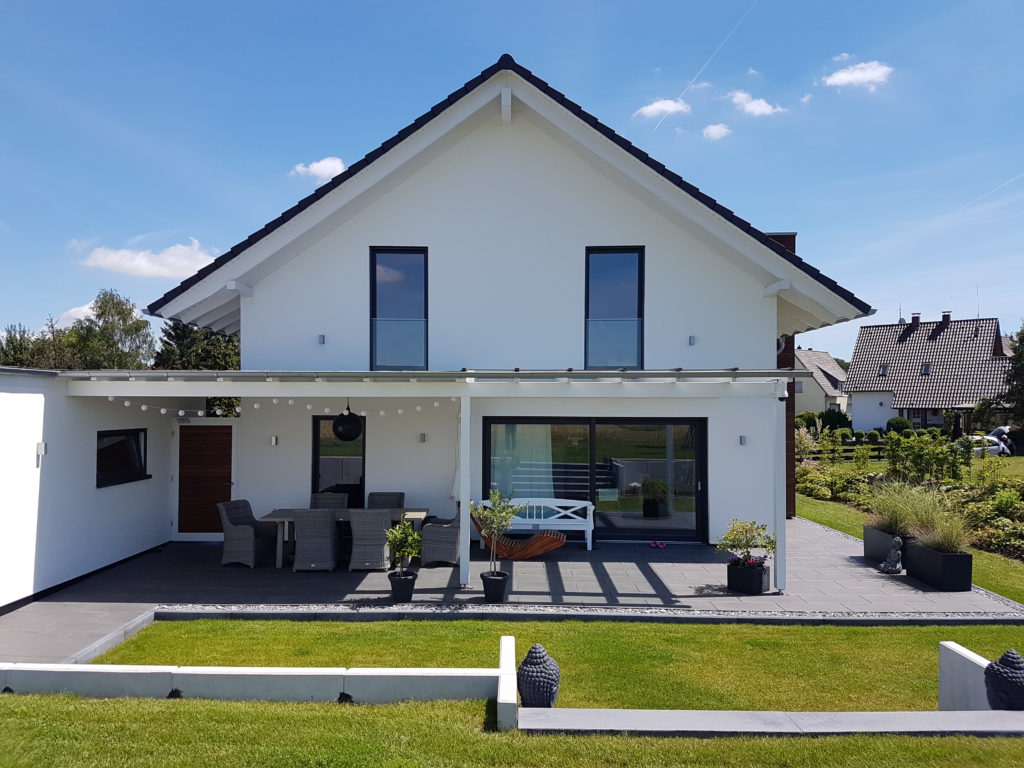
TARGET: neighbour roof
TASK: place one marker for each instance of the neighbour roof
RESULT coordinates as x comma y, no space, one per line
506,62
828,374
966,363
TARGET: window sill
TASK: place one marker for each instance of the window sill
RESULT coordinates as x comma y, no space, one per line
121,480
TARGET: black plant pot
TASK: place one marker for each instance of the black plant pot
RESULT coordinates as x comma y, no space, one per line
654,509
946,571
877,545
495,586
402,585
749,581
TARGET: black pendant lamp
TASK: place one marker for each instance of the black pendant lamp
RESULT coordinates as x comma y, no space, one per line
347,426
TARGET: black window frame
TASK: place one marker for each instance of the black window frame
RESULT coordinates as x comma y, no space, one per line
698,424
107,479
883,370
640,251
355,500
374,251
926,369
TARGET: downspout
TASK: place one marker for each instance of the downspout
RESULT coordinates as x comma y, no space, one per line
465,464
779,487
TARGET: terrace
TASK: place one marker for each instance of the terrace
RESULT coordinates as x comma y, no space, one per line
828,582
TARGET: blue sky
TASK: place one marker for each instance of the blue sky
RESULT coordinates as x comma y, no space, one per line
139,139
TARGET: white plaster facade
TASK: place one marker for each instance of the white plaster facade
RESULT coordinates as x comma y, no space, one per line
871,410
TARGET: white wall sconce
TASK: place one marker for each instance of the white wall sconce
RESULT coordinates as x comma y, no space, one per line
424,437
743,439
40,449
693,341
321,339
273,439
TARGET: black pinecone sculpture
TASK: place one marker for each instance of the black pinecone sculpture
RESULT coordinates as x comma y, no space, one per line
1004,682
538,678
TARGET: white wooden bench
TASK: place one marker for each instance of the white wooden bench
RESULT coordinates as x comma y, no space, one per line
553,515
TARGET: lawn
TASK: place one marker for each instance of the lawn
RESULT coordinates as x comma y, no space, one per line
64,731
609,664
993,572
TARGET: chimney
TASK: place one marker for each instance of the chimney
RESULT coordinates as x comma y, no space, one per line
915,319
786,239
947,315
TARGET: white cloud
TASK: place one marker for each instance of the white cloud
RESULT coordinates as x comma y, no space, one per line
176,261
867,74
386,274
716,131
321,170
662,107
752,106
805,98
842,57
67,319
752,71
701,84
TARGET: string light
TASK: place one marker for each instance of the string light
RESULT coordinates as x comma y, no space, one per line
163,411
255,406
291,402
219,411
419,408
200,413
146,408
275,401
110,398
181,413
127,403
346,410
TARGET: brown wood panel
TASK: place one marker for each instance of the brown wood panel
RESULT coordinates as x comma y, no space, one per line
204,477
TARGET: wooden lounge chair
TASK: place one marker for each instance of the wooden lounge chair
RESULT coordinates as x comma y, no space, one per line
507,548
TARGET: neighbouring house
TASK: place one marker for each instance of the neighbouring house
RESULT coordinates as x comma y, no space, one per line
824,391
507,293
917,370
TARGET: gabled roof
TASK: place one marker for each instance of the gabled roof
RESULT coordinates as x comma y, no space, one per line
967,362
828,374
507,63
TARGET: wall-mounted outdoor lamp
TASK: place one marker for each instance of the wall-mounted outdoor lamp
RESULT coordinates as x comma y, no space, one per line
743,439
273,439
693,341
321,339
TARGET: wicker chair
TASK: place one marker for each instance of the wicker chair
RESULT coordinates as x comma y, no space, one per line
245,538
315,541
369,539
385,500
328,501
440,540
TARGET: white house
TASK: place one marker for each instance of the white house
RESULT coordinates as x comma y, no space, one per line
508,291
824,391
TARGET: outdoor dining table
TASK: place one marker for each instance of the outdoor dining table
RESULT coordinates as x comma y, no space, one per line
283,517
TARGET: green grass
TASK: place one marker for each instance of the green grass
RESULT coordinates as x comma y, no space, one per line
1011,466
609,664
1002,575
65,732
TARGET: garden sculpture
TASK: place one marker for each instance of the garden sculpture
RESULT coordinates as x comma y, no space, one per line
538,678
894,561
1004,682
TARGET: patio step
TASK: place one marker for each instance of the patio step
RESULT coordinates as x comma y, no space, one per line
716,723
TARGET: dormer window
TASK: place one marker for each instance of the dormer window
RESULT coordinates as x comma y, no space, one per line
926,369
883,369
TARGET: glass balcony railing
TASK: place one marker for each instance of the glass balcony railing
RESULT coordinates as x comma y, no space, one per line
614,342
399,344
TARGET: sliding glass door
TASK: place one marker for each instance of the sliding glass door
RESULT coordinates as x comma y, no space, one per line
645,476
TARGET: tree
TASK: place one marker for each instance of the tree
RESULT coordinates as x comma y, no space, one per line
1014,397
113,336
985,415
18,347
844,364
188,348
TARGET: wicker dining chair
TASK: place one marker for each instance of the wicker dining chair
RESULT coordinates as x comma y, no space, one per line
246,539
328,501
385,500
315,540
369,539
440,540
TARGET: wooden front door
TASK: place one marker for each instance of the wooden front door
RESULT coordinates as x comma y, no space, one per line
204,476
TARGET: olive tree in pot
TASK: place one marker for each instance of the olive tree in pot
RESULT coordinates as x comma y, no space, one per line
403,544
494,518
750,545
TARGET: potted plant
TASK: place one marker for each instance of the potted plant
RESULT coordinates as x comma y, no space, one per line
403,544
891,508
494,518
935,554
750,545
655,493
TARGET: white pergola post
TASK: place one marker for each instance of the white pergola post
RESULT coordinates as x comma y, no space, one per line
465,462
780,491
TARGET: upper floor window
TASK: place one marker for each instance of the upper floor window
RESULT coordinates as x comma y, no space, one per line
883,369
398,309
615,308
926,369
